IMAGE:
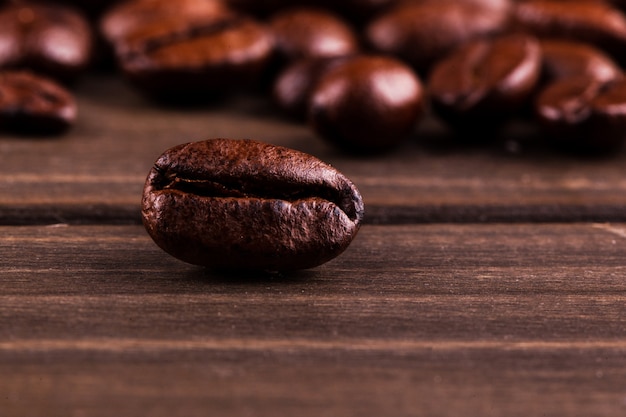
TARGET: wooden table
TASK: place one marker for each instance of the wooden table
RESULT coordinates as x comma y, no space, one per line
487,281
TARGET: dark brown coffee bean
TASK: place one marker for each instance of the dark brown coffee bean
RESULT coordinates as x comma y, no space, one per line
242,204
483,82
48,39
584,113
125,18
34,104
200,55
294,86
587,21
422,33
563,58
366,104
311,33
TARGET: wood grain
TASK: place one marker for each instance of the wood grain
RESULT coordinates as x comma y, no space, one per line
438,320
95,173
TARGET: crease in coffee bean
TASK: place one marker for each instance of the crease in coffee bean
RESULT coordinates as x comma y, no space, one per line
578,108
200,30
292,193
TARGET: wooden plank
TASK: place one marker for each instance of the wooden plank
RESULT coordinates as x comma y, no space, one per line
441,320
96,172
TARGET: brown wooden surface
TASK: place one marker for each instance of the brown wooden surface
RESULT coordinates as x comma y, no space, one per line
444,320
511,302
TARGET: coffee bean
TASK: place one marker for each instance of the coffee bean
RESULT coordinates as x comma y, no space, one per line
366,104
294,86
587,21
584,113
483,82
195,56
563,58
34,104
422,33
127,17
49,39
311,33
242,204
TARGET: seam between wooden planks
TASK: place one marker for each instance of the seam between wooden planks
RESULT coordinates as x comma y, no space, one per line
251,344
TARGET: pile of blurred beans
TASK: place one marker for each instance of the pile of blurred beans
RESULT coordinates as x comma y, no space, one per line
361,73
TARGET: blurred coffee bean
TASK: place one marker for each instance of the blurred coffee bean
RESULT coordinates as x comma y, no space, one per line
483,82
422,33
33,104
50,39
311,33
563,58
584,114
129,16
593,22
199,56
366,104
294,86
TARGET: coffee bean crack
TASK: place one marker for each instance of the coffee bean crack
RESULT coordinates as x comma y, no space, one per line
343,197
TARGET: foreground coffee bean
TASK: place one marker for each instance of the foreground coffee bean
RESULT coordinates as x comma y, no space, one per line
422,33
366,104
242,204
584,113
485,81
33,104
49,39
563,58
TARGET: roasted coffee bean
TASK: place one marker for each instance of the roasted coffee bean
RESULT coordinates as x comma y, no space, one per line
483,82
587,21
242,204
294,86
563,58
366,104
127,17
49,39
311,33
584,113
34,104
199,56
422,33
